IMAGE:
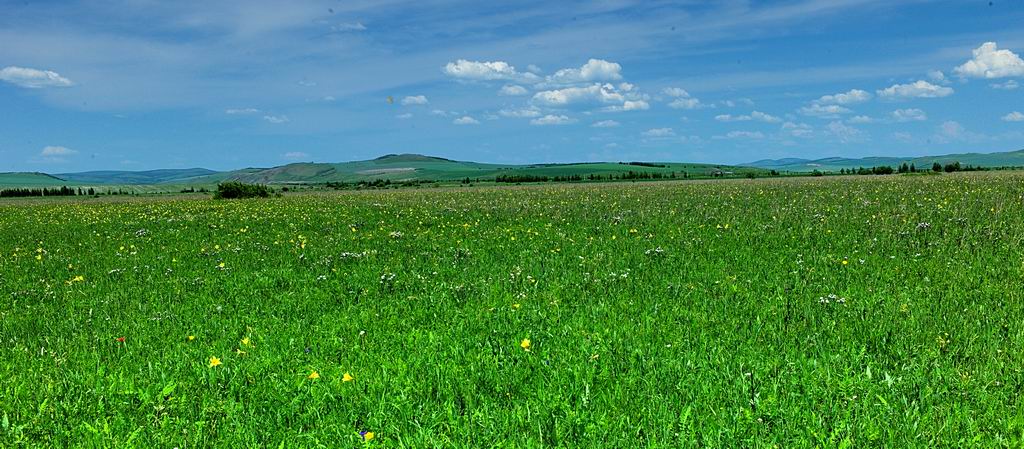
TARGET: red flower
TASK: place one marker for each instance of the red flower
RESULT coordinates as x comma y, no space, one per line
120,339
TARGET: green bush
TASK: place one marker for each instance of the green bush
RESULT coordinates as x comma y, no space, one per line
235,189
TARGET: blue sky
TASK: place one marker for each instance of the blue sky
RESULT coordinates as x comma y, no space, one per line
138,84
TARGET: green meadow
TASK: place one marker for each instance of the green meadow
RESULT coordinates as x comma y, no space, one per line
878,311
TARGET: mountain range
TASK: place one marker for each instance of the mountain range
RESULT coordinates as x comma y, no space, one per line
408,167
1004,159
394,167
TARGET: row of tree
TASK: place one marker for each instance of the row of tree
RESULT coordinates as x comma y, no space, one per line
909,168
62,191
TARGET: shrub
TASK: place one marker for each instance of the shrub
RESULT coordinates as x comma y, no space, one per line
235,189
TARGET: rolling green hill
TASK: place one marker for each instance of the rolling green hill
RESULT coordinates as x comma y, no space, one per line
136,177
23,179
406,167
1004,159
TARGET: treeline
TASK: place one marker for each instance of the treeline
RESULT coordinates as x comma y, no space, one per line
909,168
644,164
62,191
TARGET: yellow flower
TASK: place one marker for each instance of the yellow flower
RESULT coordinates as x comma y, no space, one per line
220,265
245,341
367,436
845,262
214,362
516,306
347,378
191,337
525,344
313,376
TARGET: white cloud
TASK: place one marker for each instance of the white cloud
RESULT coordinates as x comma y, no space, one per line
552,120
593,70
659,132
600,93
938,76
512,90
861,119
685,103
466,120
1014,116
57,151
630,105
845,133
917,89
675,92
486,71
33,78
824,111
352,26
951,129
561,97
737,102
756,116
798,129
1009,85
909,115
241,111
854,96
407,115
744,135
527,112
605,124
276,119
414,100
296,155
681,98
990,62
441,113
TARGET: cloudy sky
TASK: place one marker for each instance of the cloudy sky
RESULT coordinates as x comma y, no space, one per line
139,84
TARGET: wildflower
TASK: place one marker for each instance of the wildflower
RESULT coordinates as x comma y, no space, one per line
845,261
120,339
214,361
191,337
367,436
347,378
313,376
246,342
525,344
220,265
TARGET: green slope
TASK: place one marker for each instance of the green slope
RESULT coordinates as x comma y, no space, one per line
21,179
417,167
1003,159
136,177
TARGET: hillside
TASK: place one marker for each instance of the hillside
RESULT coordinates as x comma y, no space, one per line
1003,159
405,167
23,179
135,177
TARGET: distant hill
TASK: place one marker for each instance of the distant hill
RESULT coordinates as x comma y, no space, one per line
407,167
22,179
135,177
1004,159
393,167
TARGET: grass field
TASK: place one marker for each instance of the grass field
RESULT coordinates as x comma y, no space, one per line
882,311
